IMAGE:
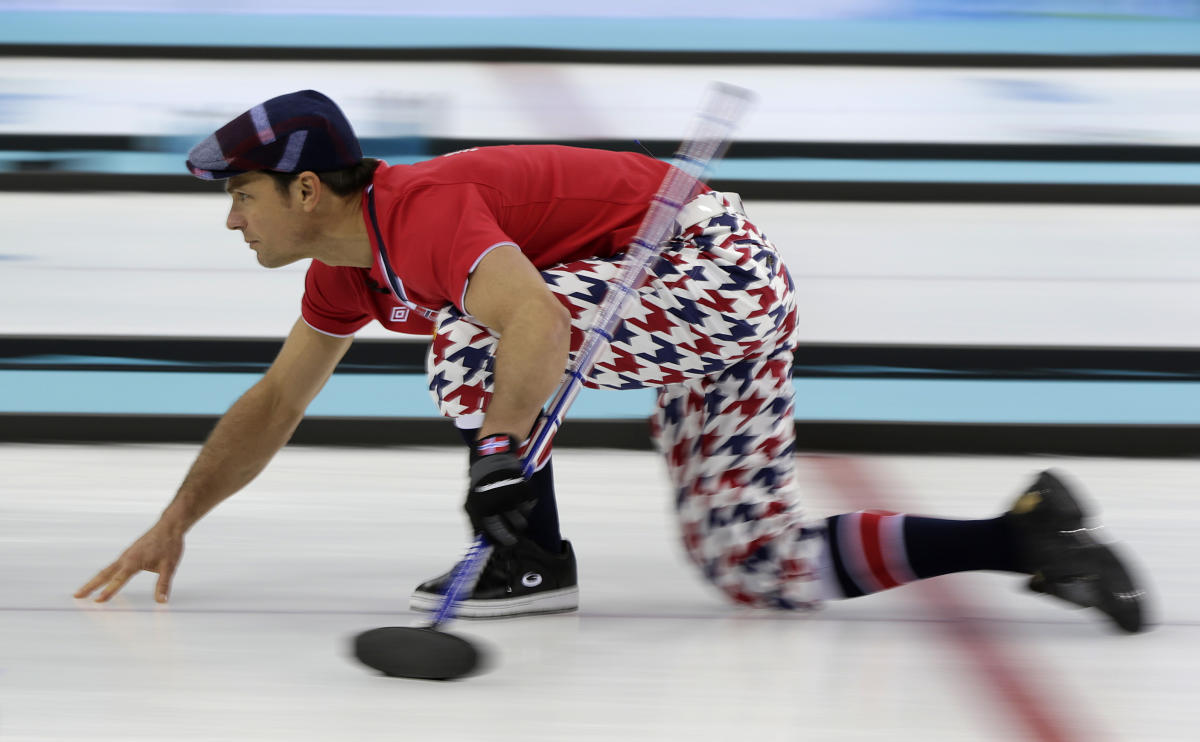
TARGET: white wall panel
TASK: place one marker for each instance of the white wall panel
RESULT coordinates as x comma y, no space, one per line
144,264
563,101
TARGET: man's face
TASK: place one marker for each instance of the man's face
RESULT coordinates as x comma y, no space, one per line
269,221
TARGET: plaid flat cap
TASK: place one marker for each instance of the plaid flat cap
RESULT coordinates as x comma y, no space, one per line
292,133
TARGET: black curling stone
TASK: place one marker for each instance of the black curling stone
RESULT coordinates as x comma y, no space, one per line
421,653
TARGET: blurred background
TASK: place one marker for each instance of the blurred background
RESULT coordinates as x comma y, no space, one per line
991,210
990,207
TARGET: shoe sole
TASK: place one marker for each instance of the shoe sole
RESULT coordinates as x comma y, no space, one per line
1063,510
551,601
1123,601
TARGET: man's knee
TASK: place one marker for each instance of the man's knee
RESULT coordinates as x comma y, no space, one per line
459,367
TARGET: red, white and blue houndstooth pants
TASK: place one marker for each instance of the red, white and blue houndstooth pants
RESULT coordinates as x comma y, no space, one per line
714,333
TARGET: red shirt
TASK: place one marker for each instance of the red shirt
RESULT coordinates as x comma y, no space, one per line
341,301
440,217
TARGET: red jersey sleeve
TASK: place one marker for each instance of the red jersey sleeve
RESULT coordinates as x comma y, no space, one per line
338,301
330,303
445,230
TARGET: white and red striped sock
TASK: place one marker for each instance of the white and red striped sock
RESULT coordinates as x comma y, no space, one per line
876,550
868,552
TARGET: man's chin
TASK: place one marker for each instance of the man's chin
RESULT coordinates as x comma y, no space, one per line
273,261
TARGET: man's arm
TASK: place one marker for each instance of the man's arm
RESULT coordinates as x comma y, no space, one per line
258,424
507,294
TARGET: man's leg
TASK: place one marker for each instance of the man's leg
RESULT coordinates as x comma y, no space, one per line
728,443
1045,533
537,575
728,437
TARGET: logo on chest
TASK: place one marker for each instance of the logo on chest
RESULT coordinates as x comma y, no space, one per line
399,314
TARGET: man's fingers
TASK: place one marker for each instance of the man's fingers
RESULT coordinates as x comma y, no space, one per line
115,583
100,578
162,590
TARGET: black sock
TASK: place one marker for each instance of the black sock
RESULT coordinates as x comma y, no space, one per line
543,519
939,547
875,551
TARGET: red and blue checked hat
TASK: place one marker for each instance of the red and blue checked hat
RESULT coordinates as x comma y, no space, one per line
292,133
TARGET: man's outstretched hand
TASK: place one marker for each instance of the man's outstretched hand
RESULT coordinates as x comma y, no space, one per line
158,550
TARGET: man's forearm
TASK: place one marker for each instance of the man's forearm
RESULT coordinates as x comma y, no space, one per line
239,447
530,360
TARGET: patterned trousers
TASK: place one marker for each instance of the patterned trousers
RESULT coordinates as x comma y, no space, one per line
713,332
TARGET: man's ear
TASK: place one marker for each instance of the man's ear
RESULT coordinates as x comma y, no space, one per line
309,189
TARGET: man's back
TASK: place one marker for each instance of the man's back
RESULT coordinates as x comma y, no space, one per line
556,203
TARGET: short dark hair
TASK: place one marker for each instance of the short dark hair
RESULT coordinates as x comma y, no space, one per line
344,182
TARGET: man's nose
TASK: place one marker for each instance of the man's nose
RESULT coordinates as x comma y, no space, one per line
234,220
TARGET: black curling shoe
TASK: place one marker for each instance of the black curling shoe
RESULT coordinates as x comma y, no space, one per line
1065,557
518,580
